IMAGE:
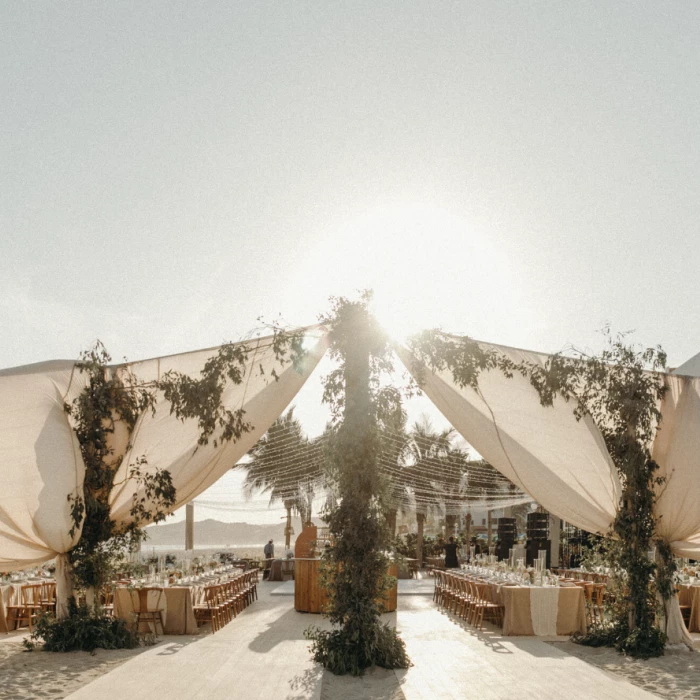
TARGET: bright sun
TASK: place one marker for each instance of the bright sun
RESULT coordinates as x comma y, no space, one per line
427,267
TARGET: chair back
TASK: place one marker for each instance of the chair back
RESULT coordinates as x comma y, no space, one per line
148,603
107,595
48,592
31,594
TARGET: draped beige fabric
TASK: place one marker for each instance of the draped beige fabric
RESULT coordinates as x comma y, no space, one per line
677,451
40,463
561,462
167,443
40,460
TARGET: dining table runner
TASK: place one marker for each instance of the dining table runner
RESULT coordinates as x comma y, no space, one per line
544,611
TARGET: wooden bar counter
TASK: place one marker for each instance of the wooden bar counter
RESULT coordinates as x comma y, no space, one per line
311,597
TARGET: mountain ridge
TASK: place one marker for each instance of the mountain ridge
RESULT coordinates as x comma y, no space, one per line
217,533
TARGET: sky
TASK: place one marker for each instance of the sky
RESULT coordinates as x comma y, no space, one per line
523,172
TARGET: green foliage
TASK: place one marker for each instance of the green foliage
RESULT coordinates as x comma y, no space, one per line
106,399
338,651
355,566
82,630
640,643
621,390
115,395
643,642
666,567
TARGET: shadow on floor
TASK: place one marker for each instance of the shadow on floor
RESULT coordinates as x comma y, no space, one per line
492,637
305,684
287,627
171,645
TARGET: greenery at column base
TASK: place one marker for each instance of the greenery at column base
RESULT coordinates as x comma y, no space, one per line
638,574
641,643
342,652
82,630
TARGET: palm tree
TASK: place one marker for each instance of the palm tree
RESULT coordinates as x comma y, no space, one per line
427,447
287,465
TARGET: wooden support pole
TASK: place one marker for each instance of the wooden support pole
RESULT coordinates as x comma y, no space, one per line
189,527
554,532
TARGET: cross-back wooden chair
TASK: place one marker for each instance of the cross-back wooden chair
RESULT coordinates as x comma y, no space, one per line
29,608
149,610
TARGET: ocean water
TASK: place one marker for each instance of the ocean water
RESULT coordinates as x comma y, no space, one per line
242,550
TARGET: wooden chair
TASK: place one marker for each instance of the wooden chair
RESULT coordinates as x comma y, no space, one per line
247,590
473,601
210,610
437,591
29,608
588,588
107,600
465,598
598,603
48,596
149,613
485,607
685,609
253,584
461,595
238,594
448,591
229,599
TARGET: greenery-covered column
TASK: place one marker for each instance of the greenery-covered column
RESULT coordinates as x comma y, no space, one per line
356,564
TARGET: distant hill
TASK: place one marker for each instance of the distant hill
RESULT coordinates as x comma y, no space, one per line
215,533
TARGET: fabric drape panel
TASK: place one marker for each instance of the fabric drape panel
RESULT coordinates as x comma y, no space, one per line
168,443
561,462
677,451
564,463
40,460
40,463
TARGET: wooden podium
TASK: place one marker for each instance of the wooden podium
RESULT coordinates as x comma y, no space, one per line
311,597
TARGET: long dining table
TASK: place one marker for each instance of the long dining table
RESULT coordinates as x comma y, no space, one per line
542,611
11,594
176,603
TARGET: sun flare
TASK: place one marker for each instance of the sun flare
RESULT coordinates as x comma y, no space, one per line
427,267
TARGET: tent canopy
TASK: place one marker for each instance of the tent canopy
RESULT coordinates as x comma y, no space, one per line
561,462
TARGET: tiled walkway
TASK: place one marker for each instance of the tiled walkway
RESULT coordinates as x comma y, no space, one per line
262,655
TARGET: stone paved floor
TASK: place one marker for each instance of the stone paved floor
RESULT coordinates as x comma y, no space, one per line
675,675
262,655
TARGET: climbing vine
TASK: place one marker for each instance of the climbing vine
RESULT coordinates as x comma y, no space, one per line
115,396
620,389
355,565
